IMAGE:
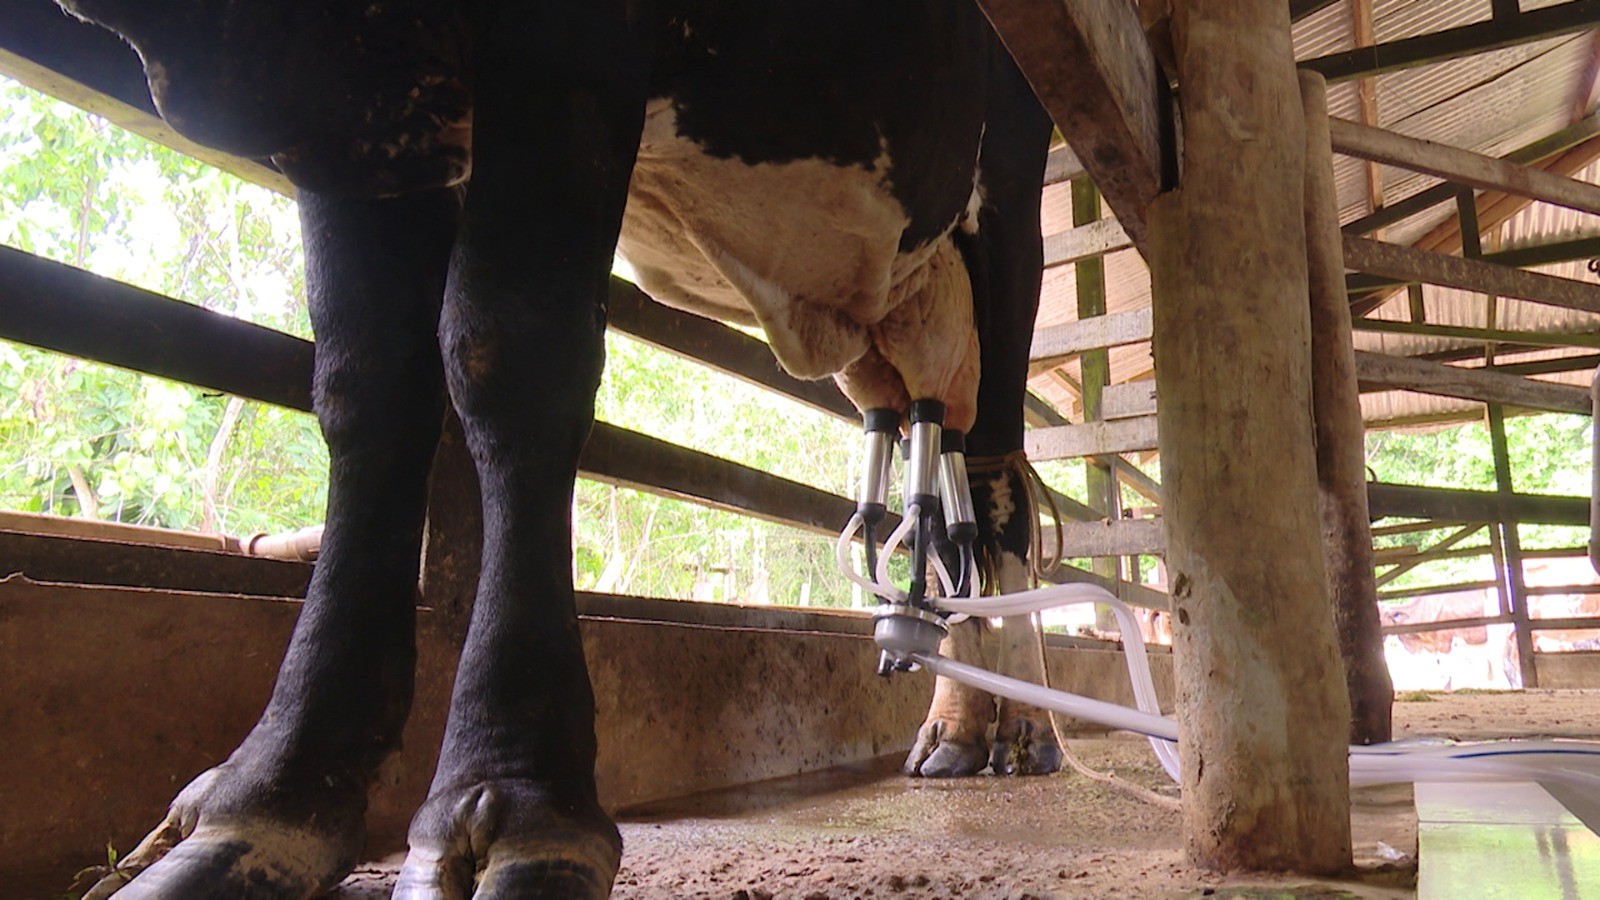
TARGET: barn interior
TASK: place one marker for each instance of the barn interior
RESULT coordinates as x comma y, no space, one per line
736,733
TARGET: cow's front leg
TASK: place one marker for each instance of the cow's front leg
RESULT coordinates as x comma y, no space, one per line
282,817
513,810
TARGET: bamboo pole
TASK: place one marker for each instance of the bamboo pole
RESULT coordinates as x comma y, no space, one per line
1263,711
1341,439
1095,368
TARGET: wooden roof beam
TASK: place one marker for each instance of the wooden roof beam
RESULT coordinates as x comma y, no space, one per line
1462,167
1409,264
1093,69
1490,335
1504,30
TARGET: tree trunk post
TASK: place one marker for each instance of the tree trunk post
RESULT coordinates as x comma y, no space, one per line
1263,711
1341,440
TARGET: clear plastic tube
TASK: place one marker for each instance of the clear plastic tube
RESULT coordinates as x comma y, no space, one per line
896,538
841,557
1569,770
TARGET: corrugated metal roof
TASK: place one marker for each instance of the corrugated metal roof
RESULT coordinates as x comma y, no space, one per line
1492,103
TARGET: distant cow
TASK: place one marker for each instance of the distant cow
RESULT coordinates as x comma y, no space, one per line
1439,608
862,180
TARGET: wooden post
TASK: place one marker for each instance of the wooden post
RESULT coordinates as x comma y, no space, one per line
1341,440
1594,475
1511,545
1095,367
1262,708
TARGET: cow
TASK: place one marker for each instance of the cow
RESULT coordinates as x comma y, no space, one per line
1470,656
860,179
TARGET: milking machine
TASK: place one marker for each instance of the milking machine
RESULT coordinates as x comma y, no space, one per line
911,622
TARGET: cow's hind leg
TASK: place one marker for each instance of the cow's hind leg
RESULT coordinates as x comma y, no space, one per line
1025,742
513,810
1005,258
282,817
954,739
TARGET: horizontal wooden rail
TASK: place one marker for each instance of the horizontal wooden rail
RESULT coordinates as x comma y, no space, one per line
1053,346
1549,590
1408,593
1089,241
619,456
1128,400
1376,371
1091,439
1113,537
711,343
57,307
1446,625
1417,502
1407,264
1564,624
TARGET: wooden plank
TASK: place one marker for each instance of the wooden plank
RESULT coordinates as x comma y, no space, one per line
1085,242
1417,502
91,68
1377,371
1093,70
57,307
618,456
1564,624
1052,346
1406,264
1126,591
1062,165
1128,401
1495,335
1442,624
1480,37
1113,537
1092,438
1461,166
711,343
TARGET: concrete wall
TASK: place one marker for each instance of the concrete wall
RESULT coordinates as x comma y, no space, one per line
1570,669
113,698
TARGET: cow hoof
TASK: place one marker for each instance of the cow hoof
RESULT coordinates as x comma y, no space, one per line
507,841
1025,747
939,753
197,853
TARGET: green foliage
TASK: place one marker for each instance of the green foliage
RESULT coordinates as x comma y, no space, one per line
1549,454
634,543
84,439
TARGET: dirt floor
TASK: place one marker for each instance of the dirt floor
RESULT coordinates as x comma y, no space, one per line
868,832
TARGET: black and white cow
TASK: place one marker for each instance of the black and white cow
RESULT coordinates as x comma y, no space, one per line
861,179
